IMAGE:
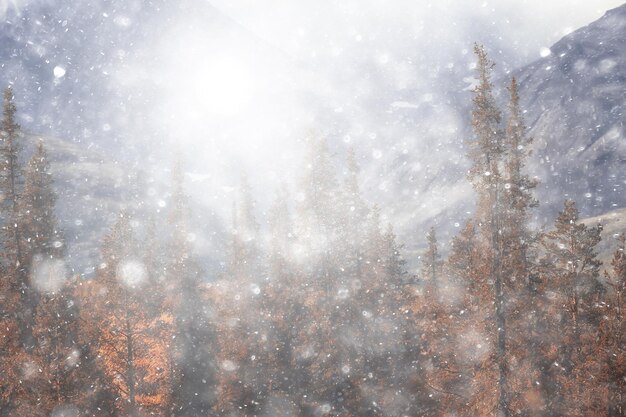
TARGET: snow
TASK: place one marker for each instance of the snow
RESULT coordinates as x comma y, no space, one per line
59,71
48,275
131,273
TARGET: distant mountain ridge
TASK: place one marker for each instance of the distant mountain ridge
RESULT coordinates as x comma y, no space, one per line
574,100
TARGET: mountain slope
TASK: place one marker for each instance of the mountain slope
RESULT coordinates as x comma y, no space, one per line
575,110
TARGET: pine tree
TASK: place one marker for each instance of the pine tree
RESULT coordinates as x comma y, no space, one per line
193,369
431,261
487,152
570,269
134,357
11,179
40,232
244,252
282,239
612,343
319,214
15,308
58,352
517,241
99,395
517,196
458,328
55,328
11,183
356,212
12,354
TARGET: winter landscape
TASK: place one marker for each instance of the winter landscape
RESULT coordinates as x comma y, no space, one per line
284,209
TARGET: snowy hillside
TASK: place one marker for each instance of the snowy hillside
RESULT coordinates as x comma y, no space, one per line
575,98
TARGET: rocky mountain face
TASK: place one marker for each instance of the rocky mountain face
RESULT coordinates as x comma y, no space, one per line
575,99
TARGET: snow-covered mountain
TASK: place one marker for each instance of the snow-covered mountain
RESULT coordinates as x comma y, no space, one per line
575,99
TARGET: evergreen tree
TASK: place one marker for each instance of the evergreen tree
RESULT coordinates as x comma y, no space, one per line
282,239
319,214
40,232
459,328
58,352
570,269
12,354
523,300
11,183
487,152
193,368
15,308
11,180
431,261
612,343
356,212
134,357
244,251
518,198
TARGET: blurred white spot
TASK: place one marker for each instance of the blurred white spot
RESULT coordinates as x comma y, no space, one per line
607,65
29,370
58,71
544,52
131,273
345,369
122,21
229,366
65,410
48,275
377,153
73,358
256,290
343,293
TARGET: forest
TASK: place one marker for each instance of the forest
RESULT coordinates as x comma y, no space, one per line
324,318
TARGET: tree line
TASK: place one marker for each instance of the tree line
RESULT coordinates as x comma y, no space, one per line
321,318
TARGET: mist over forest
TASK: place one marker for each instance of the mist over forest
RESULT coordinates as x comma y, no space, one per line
312,209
